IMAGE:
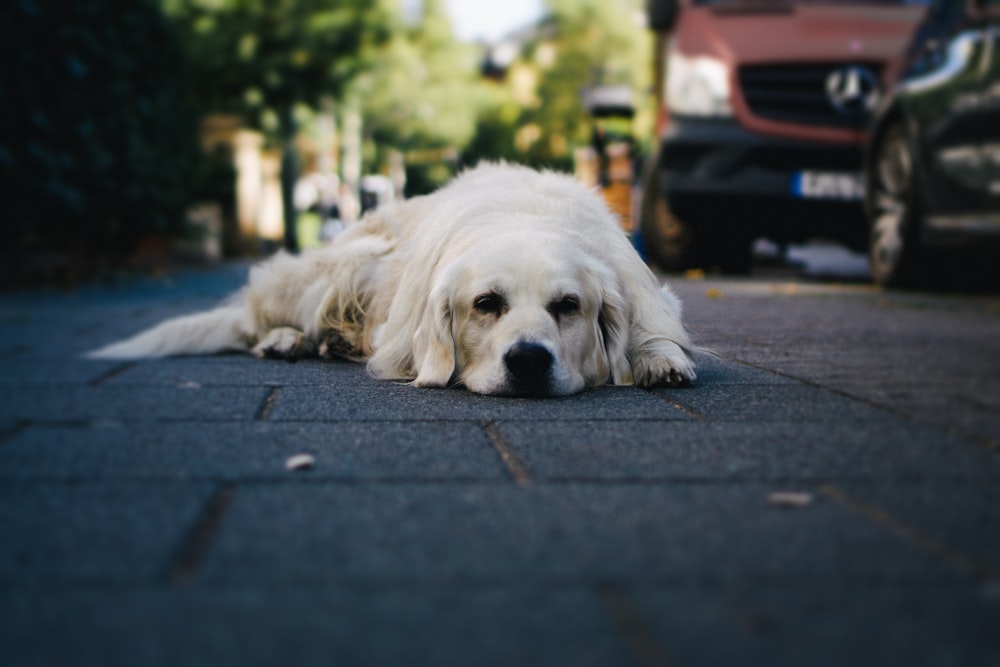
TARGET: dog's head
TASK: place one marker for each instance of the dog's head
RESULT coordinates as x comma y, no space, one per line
523,315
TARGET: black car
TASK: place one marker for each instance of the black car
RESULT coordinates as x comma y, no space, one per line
932,188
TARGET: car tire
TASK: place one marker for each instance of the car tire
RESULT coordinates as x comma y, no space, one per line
670,243
893,211
675,244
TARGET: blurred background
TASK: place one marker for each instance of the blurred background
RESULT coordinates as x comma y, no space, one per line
140,133
143,129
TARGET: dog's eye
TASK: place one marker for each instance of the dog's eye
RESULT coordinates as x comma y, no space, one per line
567,305
489,304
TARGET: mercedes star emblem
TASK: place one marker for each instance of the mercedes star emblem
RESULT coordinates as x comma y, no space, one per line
853,90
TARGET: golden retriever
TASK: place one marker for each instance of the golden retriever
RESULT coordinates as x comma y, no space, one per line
508,281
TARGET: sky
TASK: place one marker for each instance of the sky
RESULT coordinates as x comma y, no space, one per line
488,20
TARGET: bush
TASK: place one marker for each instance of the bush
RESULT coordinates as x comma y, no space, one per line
100,136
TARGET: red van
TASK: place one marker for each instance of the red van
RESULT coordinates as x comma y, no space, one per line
766,105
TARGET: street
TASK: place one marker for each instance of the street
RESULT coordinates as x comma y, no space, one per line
930,357
826,493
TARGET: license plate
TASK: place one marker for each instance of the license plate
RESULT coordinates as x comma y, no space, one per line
828,185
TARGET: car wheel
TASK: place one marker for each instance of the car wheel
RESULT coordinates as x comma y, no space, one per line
670,243
893,213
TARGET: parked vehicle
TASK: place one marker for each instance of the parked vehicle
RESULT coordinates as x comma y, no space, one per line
933,165
768,105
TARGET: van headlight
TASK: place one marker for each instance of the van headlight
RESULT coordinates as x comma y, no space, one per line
697,86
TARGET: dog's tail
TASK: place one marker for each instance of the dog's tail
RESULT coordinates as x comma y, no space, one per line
220,330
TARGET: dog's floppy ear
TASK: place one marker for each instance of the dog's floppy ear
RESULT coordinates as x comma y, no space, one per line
614,321
434,339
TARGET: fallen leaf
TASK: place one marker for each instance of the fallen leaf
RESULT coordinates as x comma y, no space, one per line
300,462
789,498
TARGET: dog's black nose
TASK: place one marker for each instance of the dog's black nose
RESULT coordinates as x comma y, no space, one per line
529,365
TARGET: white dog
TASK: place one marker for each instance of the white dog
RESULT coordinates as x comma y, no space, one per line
507,280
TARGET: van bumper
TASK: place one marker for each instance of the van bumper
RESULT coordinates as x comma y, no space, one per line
789,190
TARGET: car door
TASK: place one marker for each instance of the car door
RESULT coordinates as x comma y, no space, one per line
957,106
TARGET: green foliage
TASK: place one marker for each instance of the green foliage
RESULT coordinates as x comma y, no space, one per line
581,43
254,55
495,131
264,57
99,137
597,42
421,95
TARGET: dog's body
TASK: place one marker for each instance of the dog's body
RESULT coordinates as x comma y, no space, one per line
507,280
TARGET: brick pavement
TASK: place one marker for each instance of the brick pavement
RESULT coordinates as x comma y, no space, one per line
147,517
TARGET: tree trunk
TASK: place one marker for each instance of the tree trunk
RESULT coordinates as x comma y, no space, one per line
289,176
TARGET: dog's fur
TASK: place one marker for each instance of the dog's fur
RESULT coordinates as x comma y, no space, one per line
507,280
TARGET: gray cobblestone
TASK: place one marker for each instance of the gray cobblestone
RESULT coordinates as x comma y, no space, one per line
147,517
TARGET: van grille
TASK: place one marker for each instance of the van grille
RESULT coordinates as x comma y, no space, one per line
797,94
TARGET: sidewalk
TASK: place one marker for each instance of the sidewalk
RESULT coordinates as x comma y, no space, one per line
147,517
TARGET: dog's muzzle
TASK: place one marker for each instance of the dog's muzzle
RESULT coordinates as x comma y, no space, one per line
529,367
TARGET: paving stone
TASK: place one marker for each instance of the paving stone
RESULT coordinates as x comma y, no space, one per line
968,408
20,372
298,534
243,369
379,400
514,625
641,525
182,403
886,449
234,451
716,371
238,370
961,520
53,336
822,625
9,429
757,403
93,533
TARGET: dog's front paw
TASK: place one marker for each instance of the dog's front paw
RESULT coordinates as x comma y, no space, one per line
335,345
662,363
282,343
